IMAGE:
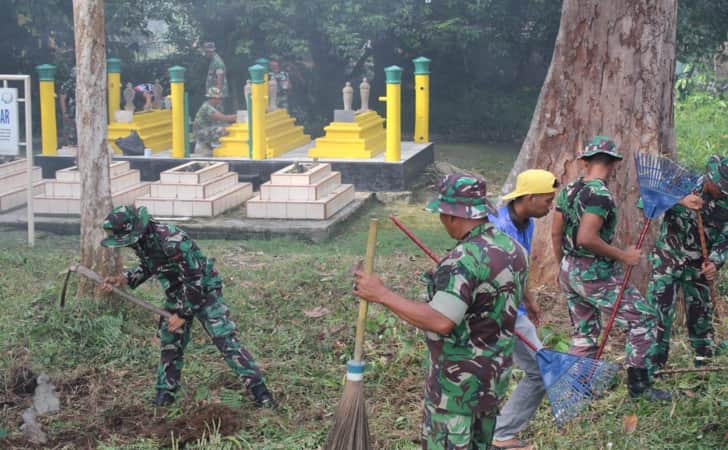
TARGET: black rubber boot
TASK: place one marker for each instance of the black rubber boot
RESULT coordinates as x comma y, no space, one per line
263,397
639,386
703,358
164,398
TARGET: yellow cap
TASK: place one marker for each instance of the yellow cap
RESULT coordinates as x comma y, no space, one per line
534,181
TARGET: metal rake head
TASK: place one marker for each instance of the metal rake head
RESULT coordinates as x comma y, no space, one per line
662,182
572,382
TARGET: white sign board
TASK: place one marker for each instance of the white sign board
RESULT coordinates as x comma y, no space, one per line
9,121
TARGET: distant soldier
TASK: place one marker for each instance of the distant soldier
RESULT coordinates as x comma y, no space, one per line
216,74
67,102
210,123
283,80
677,262
193,290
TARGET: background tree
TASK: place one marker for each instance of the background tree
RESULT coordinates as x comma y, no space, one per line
93,155
612,74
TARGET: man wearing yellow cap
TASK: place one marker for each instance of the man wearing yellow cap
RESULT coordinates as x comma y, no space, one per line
531,199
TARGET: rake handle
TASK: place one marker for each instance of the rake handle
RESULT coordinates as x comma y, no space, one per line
435,258
622,288
704,249
363,304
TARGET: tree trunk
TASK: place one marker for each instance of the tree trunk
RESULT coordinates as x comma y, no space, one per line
93,156
611,74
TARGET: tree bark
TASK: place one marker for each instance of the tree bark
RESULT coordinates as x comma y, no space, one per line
611,73
93,155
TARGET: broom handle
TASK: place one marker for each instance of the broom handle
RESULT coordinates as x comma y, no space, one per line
363,304
704,248
435,258
622,288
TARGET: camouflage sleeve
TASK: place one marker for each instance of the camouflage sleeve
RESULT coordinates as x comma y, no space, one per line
596,201
562,201
137,276
719,247
453,286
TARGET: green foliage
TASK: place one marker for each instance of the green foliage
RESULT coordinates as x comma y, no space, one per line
701,128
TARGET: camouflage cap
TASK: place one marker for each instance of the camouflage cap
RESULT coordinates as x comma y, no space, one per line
208,46
214,92
601,144
462,196
717,169
125,226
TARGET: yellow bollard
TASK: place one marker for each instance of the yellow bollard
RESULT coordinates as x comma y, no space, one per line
422,99
49,132
177,86
394,114
259,100
113,84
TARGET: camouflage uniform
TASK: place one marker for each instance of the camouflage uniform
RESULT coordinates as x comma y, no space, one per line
217,66
206,129
478,286
283,80
68,127
592,282
676,263
193,288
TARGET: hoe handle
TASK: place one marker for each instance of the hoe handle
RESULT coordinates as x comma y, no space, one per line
704,248
363,304
622,288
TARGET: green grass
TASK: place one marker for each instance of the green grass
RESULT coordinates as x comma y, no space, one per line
701,128
102,356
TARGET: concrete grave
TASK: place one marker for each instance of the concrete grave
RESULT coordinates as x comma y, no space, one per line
196,189
14,183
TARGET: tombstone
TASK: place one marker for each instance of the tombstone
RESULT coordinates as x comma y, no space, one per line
129,98
157,92
247,90
272,94
364,94
348,96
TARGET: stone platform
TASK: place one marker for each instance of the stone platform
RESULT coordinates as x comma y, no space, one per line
14,183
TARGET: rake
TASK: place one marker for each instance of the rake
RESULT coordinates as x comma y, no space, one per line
662,184
571,381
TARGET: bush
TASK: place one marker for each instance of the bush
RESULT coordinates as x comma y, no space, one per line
701,127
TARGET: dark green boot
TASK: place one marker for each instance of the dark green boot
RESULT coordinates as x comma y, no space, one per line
164,398
639,386
263,397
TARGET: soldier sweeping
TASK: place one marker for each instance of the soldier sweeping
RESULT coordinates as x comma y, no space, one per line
584,225
469,320
677,262
193,289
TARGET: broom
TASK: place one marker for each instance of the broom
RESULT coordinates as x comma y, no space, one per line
351,428
571,382
662,184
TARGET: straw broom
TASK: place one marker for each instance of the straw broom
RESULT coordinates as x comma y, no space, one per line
351,428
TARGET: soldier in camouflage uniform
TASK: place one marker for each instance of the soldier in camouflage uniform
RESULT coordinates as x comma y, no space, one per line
193,289
583,229
469,320
67,101
209,124
677,261
216,74
283,82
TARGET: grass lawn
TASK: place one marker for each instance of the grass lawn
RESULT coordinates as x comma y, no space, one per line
291,302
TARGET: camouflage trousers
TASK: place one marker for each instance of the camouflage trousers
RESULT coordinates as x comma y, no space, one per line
668,276
215,319
211,134
442,430
68,131
588,299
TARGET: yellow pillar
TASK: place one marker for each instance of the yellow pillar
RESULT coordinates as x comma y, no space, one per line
177,86
259,100
394,114
113,84
422,99
49,136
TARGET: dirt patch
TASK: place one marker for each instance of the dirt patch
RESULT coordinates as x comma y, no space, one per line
194,424
22,381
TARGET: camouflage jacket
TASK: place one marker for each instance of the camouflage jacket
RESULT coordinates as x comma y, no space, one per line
68,89
186,275
478,286
204,119
217,66
679,240
577,198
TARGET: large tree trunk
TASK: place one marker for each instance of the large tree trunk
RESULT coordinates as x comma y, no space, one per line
611,74
93,156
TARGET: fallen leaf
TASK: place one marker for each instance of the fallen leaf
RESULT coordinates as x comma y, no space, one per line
688,393
630,424
316,312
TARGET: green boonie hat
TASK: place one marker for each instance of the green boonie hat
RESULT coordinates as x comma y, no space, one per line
208,46
125,225
462,196
601,144
214,92
717,169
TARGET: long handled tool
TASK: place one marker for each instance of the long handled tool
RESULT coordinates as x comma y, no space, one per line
351,428
662,184
704,250
93,276
571,381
